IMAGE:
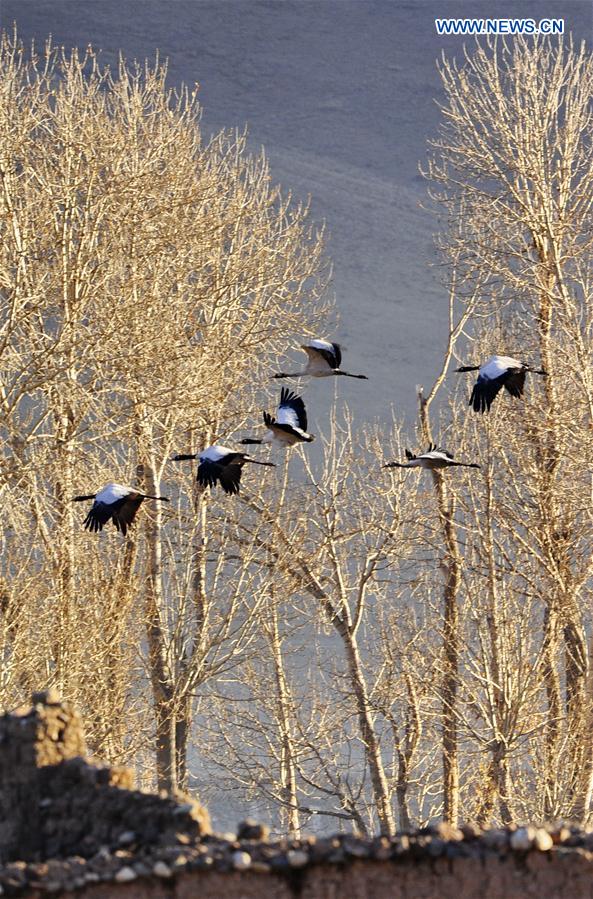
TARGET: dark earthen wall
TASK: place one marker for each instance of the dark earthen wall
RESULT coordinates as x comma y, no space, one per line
31,738
54,803
536,876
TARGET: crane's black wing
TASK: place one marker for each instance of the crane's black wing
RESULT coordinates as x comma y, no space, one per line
226,473
333,357
230,477
100,513
208,473
485,391
124,515
291,410
515,381
337,354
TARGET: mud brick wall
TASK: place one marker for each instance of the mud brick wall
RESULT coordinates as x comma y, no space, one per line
54,803
537,875
45,734
81,812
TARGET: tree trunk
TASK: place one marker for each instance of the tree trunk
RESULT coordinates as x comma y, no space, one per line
369,737
65,668
405,755
500,771
182,722
583,793
451,566
563,610
163,692
554,697
288,781
165,741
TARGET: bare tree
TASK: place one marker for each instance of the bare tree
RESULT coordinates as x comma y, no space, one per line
512,167
149,280
335,568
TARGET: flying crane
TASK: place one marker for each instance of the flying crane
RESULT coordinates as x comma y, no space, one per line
493,375
220,465
324,360
114,502
291,425
433,459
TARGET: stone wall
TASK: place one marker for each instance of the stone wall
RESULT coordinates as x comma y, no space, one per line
536,876
30,738
54,803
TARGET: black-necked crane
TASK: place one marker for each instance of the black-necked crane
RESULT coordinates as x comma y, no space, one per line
220,465
324,361
433,459
291,425
116,502
496,373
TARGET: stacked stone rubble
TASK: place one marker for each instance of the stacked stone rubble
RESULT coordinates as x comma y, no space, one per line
53,803
30,738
